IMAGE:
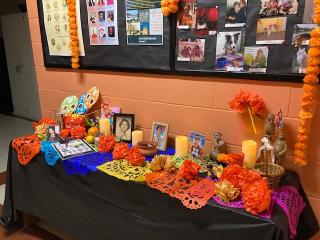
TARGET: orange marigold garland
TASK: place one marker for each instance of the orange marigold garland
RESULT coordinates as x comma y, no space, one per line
120,151
74,41
309,90
169,7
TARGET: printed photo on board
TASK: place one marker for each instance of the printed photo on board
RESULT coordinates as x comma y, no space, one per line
197,142
187,15
229,51
271,30
207,20
299,61
236,13
301,34
256,59
191,50
278,7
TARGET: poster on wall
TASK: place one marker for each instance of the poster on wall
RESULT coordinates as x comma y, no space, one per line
56,22
103,22
144,22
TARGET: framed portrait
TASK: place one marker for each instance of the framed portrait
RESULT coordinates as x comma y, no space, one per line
196,144
160,134
123,127
52,133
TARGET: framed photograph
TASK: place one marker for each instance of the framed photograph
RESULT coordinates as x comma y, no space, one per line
73,148
160,135
256,59
123,127
278,7
53,133
196,144
271,30
236,13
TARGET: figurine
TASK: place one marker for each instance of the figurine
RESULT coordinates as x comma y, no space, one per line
218,146
280,148
266,145
269,125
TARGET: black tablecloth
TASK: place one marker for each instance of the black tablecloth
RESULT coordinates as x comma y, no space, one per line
98,206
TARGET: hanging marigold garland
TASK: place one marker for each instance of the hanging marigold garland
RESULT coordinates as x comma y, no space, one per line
169,7
74,42
309,91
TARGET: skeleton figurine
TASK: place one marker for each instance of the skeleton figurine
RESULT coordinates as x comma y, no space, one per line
280,148
218,146
269,125
266,145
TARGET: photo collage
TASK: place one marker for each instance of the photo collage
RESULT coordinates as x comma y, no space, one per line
102,21
231,52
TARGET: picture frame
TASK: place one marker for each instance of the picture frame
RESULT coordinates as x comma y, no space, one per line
159,135
123,127
73,148
52,133
197,143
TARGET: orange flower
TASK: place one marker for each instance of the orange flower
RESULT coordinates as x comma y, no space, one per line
311,79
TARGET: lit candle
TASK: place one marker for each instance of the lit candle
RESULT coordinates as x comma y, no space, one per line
182,144
137,136
249,149
104,125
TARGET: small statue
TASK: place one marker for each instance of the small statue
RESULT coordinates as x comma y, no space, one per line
266,145
218,146
280,148
269,125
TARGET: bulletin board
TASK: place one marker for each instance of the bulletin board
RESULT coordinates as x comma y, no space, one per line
163,59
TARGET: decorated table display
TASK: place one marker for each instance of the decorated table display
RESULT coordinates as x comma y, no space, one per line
96,142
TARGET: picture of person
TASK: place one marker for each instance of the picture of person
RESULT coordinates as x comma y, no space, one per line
299,61
144,15
278,7
187,15
101,2
207,20
93,32
133,24
271,30
191,50
93,17
110,15
124,125
160,135
102,32
197,142
236,13
255,59
111,31
53,133
301,34
92,3
102,16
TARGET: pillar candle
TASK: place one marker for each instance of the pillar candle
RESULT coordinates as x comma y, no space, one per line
182,145
137,136
104,125
249,149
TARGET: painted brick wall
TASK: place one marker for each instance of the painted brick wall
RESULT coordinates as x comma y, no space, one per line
185,103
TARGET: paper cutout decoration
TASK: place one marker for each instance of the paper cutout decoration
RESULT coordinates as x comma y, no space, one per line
81,108
69,104
92,97
27,148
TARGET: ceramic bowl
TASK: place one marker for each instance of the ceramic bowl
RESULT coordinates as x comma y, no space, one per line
147,148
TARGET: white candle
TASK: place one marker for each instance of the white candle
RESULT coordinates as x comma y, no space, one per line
104,125
249,149
137,136
182,144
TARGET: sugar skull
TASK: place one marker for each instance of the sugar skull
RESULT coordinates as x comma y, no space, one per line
92,97
74,121
69,104
81,108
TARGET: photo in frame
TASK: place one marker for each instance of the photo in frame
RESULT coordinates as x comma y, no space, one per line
52,133
197,142
160,134
123,127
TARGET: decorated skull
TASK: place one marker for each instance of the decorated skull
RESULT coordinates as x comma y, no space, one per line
81,108
74,121
69,104
92,97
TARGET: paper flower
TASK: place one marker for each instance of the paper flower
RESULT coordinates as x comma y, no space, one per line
226,191
120,151
231,158
189,169
162,162
247,101
134,157
106,143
